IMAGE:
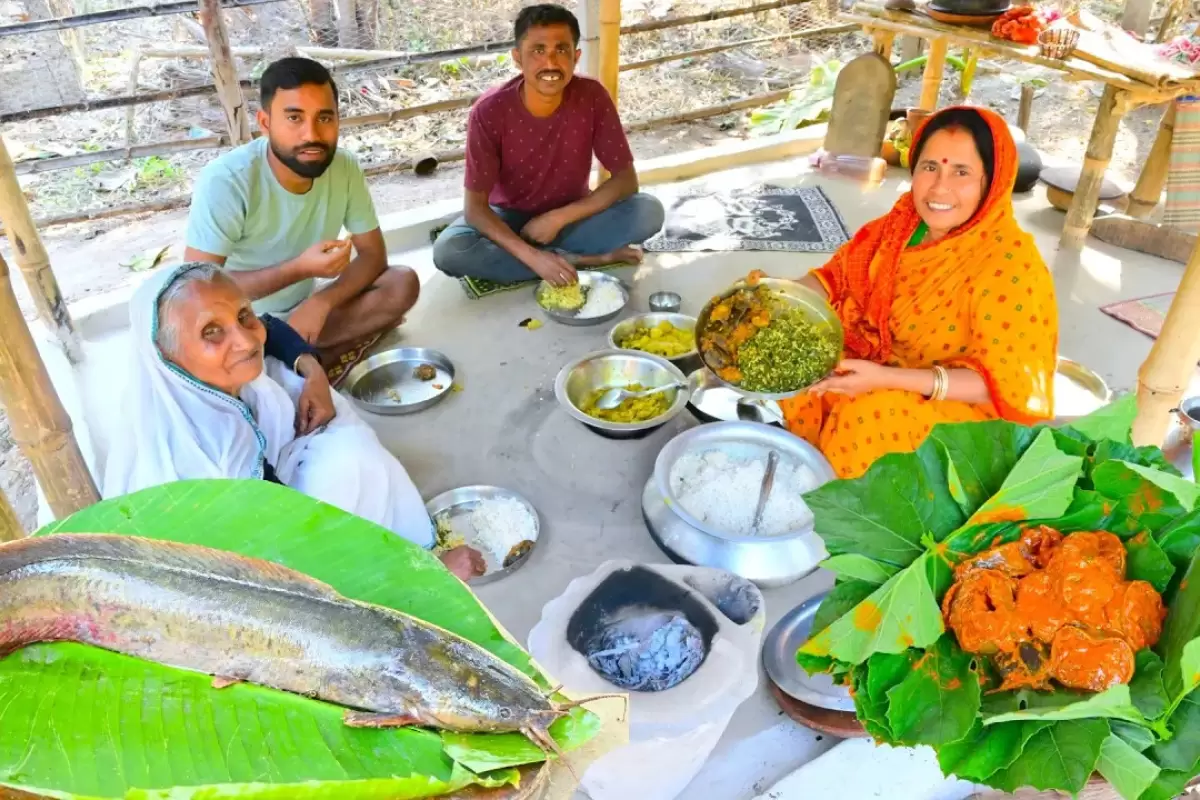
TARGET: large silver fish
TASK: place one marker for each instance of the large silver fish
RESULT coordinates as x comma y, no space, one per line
244,619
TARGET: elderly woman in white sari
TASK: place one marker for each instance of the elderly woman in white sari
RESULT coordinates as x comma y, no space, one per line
217,392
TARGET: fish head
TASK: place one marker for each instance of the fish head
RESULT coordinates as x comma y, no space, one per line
476,692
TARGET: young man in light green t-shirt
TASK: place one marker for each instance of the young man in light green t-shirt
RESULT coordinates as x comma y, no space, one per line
271,212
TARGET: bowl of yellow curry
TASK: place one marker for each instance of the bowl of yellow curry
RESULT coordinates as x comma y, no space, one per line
581,382
669,336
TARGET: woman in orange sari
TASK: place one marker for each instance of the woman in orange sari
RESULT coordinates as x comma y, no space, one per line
948,308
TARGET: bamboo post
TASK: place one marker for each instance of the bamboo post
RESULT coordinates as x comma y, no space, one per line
931,83
883,41
589,37
1145,195
229,90
1165,373
609,68
40,424
610,44
1136,16
11,528
31,258
1025,110
1113,105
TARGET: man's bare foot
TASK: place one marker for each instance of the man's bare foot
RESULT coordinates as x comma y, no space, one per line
622,255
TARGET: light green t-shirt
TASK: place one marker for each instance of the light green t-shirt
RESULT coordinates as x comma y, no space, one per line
240,211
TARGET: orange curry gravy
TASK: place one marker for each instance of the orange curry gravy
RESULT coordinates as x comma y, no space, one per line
1049,607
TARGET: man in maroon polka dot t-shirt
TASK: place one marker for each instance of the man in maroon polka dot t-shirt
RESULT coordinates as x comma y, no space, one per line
528,211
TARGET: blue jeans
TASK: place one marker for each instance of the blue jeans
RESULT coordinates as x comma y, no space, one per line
462,251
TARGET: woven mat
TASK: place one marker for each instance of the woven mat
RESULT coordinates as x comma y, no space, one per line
776,218
1145,314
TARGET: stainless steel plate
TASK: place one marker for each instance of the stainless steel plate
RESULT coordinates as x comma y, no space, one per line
587,279
1078,391
384,383
779,659
457,502
712,401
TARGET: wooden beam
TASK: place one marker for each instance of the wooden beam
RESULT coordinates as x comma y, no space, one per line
1168,369
33,261
1153,177
1113,105
1164,241
40,424
224,71
931,83
710,16
830,30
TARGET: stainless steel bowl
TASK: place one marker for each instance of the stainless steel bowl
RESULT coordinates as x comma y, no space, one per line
375,384
766,560
605,369
794,294
587,279
687,362
1085,379
665,302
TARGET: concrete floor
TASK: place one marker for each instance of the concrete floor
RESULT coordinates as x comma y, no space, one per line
505,428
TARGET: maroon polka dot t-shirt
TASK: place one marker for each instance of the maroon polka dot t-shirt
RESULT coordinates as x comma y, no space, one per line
533,164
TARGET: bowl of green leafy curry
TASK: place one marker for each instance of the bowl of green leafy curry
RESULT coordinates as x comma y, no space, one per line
769,338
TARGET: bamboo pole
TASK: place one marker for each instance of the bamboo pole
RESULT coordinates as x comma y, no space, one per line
883,41
704,51
931,82
589,37
711,16
11,528
1153,177
1166,372
1113,104
224,71
754,101
610,45
40,424
115,15
32,259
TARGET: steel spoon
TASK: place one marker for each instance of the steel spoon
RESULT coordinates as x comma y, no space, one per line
615,396
765,491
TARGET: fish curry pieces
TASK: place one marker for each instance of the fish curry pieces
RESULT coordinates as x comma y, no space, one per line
1057,608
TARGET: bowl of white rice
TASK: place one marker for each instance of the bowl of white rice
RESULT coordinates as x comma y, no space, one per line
499,523
605,296
700,502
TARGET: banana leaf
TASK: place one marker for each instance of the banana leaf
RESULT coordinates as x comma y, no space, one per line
80,722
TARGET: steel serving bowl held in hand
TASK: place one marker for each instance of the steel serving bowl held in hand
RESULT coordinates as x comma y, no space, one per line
794,294
767,560
606,369
688,362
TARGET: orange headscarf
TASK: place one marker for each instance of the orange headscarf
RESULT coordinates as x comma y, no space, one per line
861,280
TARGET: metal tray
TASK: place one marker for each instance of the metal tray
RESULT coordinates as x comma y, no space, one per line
779,659
461,501
587,280
371,383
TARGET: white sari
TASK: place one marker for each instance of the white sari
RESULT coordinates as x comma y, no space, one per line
180,429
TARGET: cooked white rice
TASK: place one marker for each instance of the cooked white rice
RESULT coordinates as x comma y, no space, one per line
602,298
722,491
493,527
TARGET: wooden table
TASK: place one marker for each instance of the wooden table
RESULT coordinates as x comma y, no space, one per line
1121,95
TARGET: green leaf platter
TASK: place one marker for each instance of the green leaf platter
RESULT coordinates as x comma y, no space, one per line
894,536
82,723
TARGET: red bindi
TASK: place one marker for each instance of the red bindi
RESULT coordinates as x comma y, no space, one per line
945,161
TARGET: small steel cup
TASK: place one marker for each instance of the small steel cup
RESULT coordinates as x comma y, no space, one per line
665,302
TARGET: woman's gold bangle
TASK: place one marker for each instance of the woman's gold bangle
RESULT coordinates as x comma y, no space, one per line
941,383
